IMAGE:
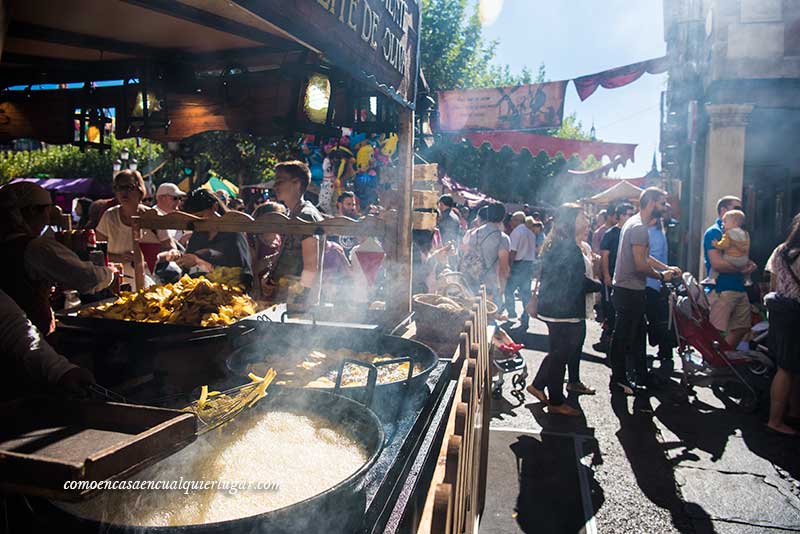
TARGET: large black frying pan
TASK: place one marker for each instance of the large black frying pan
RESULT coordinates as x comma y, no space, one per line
340,509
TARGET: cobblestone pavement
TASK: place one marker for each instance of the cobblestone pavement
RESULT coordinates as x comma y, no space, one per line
663,463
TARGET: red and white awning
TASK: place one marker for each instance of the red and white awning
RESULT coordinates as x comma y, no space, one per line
552,146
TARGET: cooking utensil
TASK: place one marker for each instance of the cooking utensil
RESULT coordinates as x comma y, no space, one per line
276,340
229,403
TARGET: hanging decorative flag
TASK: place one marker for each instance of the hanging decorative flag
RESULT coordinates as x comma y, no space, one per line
369,256
618,77
523,107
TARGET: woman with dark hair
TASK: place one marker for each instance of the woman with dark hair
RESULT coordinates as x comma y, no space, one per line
208,250
80,212
784,337
562,306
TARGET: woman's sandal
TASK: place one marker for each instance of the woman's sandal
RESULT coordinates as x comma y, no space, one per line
771,430
538,393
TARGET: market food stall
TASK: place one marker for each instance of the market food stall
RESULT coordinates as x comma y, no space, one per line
171,69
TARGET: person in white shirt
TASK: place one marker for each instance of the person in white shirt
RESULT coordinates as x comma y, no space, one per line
521,257
34,263
168,198
115,224
30,362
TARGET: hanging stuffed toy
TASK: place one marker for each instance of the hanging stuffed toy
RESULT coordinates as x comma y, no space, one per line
313,159
327,201
342,162
365,158
366,188
388,148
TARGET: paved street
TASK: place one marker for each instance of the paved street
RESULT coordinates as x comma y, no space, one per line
647,465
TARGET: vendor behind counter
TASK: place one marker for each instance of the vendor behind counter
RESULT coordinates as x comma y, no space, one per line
33,263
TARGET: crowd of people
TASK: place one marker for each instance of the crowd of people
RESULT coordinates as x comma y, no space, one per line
553,268
43,263
563,269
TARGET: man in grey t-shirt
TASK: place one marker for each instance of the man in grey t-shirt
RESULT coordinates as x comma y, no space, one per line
634,232
634,264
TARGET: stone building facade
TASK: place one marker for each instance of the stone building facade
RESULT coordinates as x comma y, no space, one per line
731,115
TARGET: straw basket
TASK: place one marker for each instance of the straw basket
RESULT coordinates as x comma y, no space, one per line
439,323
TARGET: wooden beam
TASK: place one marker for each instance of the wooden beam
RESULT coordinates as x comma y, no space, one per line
24,69
177,10
35,32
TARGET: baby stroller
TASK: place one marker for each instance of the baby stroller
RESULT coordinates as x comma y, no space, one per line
707,359
505,357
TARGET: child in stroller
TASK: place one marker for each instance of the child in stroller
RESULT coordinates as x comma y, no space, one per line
707,359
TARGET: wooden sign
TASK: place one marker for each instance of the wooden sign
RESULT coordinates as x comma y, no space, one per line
375,41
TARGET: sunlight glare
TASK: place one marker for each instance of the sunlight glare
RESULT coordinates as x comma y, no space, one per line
489,10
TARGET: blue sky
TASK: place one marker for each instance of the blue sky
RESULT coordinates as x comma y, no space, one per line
577,37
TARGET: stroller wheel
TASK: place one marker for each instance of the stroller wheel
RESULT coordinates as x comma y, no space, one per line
497,393
758,368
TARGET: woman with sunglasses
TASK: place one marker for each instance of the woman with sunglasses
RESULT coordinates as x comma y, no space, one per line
115,224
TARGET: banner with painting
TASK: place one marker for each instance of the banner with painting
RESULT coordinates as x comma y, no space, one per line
523,107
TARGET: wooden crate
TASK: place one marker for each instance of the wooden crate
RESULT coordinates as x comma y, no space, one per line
426,173
423,221
425,200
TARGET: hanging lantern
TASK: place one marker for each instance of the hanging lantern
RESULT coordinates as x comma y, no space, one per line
317,98
92,128
148,109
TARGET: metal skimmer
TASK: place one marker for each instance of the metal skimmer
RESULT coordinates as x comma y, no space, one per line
215,409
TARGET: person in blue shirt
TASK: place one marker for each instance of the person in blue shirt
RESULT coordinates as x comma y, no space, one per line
730,306
656,306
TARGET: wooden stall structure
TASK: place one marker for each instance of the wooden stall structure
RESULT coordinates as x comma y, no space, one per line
170,69
454,498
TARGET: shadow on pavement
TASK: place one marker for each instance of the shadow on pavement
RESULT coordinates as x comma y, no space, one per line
653,472
700,426
554,489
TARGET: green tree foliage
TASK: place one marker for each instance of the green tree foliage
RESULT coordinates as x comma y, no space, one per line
455,55
453,52
67,161
242,158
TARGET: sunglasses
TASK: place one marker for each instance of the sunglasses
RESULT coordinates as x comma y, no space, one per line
128,188
737,208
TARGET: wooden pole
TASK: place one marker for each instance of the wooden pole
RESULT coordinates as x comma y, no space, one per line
138,257
400,289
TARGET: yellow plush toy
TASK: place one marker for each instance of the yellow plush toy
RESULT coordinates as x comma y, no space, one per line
389,145
364,158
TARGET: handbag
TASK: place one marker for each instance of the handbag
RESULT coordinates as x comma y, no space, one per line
780,304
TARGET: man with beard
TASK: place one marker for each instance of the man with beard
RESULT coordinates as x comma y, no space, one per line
346,207
634,264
